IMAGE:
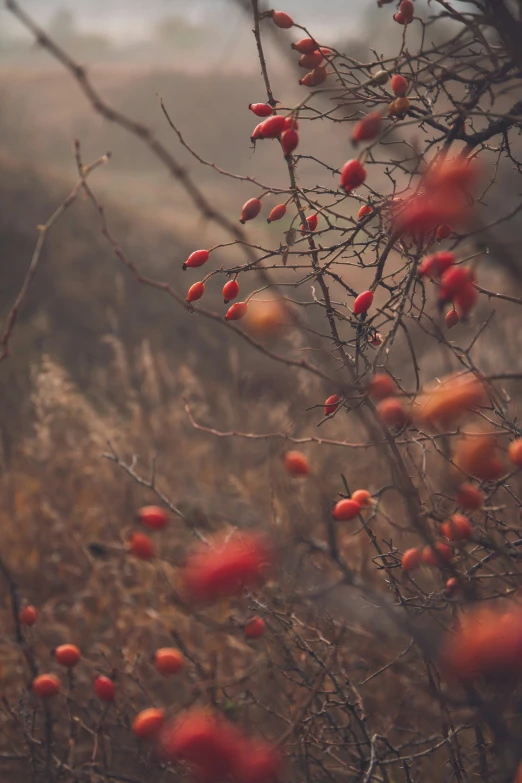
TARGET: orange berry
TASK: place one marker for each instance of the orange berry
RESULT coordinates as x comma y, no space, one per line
195,292
515,452
141,546
410,560
469,497
381,386
104,688
277,213
305,46
450,400
255,628
366,209
67,655
457,528
257,763
451,585
236,311
296,463
392,412
434,555
363,303
331,404
346,509
486,642
451,318
311,60
282,20
315,78
168,660
154,517
362,497
478,456
148,723
45,686
28,615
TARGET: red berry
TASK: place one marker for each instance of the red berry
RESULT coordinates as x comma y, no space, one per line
168,660
45,686
311,223
443,232
311,60
206,742
28,615
141,546
457,528
289,141
399,18
436,264
352,175
257,764
366,209
261,109
272,127
407,9
453,280
250,210
381,386
148,723
195,292
67,655
451,585
391,411
451,318
466,298
226,567
197,258
282,20
153,516
315,78
277,213
305,46
104,688
331,404
376,340
230,290
236,311
515,452
367,128
363,303
256,133
410,560
346,509
255,628
399,84
469,497
291,123
434,556
296,463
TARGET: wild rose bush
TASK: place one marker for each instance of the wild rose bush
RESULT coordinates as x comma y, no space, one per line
405,215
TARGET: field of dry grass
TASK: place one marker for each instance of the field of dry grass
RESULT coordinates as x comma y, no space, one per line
97,358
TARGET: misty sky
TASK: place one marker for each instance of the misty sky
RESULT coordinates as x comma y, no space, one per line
132,18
